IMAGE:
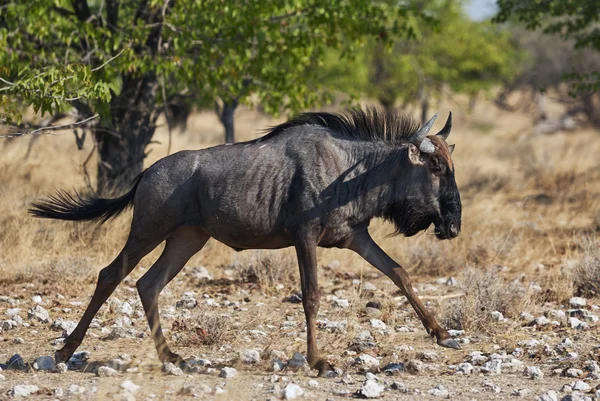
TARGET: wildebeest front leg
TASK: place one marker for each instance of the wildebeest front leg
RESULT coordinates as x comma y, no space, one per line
364,245
307,260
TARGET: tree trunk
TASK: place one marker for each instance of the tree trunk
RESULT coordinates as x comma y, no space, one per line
122,145
226,116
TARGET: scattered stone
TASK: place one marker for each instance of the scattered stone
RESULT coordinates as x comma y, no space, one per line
428,356
297,362
580,385
493,366
130,386
533,372
15,362
292,391
575,323
490,385
378,324
61,368
540,321
170,369
66,326
200,272
577,302
464,368
400,387
371,389
369,287
341,303
125,309
439,391
38,313
367,362
44,363
294,298
58,392
228,373
415,366
347,379
573,372
250,356
36,299
548,396
277,365
392,369
497,316
76,389
79,359
313,383
522,392
106,371
23,390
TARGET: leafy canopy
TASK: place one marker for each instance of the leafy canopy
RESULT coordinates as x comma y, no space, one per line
56,52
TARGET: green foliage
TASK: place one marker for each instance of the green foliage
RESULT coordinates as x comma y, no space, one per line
56,51
571,20
458,53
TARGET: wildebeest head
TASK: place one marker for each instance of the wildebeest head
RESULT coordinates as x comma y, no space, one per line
429,194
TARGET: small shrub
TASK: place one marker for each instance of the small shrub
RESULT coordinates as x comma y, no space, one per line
205,328
484,292
267,269
586,270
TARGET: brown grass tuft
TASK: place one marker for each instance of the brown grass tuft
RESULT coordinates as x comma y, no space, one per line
484,292
267,269
586,271
202,328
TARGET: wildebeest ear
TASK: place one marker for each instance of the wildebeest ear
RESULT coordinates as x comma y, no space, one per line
451,147
414,154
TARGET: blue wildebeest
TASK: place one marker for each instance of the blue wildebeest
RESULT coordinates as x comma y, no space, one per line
316,180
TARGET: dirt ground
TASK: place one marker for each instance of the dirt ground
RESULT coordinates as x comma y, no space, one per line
529,244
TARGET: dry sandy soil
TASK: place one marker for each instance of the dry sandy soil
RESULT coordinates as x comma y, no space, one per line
530,241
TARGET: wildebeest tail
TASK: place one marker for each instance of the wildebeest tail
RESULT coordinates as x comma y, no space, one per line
64,206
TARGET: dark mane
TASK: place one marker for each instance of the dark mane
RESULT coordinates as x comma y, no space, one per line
372,124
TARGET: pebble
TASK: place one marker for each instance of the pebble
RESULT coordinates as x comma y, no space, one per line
533,372
369,287
15,362
228,373
367,362
577,302
297,362
38,313
464,368
580,385
106,371
130,386
277,365
439,391
573,372
428,356
371,389
200,272
522,392
490,386
170,369
497,316
342,303
415,366
494,366
313,383
292,391
61,368
250,356
23,390
44,363
550,395
393,368
399,387
76,389
378,324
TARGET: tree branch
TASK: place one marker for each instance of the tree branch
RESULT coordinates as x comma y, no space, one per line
43,130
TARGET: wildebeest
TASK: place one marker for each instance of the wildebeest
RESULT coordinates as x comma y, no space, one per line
316,180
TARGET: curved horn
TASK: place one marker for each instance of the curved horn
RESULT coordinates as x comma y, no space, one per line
445,132
419,138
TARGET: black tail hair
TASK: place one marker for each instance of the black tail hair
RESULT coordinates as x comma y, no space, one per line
64,206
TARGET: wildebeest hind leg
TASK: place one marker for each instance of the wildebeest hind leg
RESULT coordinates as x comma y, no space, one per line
179,248
364,245
307,261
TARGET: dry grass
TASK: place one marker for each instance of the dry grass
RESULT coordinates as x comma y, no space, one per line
586,269
202,328
526,202
484,292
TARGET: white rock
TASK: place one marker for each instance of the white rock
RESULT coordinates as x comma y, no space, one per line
371,389
439,391
106,371
313,383
76,389
491,386
492,366
342,303
67,326
428,356
44,363
580,385
573,372
292,391
464,368
250,356
367,362
277,365
228,373
58,392
369,287
550,395
130,386
125,309
38,313
23,390
200,272
533,372
378,324
577,302
61,368
36,299
298,361
497,316
170,369
522,392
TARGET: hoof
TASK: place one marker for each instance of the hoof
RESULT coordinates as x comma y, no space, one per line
62,355
175,360
325,369
449,342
